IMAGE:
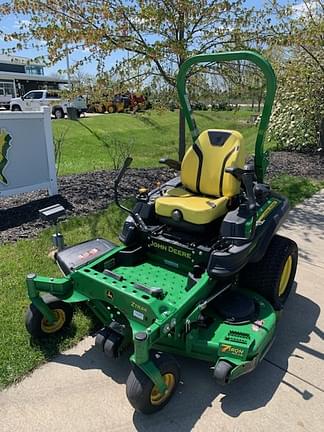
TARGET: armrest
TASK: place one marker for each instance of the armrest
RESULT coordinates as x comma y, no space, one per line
246,176
171,163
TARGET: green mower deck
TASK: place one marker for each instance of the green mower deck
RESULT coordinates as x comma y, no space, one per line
157,323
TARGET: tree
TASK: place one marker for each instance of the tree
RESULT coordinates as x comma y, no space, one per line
299,109
297,121
157,35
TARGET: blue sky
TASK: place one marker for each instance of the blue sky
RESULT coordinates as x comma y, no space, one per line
9,24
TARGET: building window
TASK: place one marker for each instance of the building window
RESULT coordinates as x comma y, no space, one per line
8,67
7,89
34,70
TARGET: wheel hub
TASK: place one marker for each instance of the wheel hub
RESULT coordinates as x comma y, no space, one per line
156,396
48,327
285,275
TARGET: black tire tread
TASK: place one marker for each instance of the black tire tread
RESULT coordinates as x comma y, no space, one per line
139,385
58,109
101,339
264,276
34,317
221,372
112,344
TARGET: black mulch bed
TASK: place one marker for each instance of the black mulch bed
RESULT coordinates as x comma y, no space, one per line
299,164
80,194
87,193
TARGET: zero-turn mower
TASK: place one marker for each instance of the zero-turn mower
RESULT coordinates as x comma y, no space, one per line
200,272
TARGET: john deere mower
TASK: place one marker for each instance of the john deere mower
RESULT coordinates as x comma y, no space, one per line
200,272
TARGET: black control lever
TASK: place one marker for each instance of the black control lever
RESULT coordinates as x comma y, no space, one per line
171,163
121,173
137,218
246,176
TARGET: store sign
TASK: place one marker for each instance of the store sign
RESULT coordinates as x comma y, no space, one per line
27,161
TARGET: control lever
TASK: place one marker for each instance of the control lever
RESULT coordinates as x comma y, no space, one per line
171,163
137,218
121,173
246,176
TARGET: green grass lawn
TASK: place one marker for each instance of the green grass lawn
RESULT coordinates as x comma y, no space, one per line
152,135
296,188
18,354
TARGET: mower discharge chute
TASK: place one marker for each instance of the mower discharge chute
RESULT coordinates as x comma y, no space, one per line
200,272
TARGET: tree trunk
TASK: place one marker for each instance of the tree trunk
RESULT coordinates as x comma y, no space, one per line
182,120
321,134
182,135
259,102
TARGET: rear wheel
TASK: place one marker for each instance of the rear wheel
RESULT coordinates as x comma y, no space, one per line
37,325
58,113
16,108
143,394
274,275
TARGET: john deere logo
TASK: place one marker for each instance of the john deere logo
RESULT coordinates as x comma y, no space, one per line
110,294
170,249
5,140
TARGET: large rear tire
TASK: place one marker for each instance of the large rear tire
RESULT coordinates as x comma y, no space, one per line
273,276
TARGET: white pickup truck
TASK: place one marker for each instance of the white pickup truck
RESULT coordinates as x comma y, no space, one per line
35,99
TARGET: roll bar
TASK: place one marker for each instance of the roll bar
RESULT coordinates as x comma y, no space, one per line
271,84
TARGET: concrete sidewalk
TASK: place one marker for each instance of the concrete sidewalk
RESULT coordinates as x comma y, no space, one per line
81,390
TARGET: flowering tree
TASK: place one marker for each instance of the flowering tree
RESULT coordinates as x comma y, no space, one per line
157,35
297,121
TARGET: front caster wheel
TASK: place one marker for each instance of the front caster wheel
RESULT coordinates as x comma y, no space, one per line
101,339
109,342
141,392
112,344
37,325
222,372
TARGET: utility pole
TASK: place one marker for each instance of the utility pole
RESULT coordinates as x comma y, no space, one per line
68,66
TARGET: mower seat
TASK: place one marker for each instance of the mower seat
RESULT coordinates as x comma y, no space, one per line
206,187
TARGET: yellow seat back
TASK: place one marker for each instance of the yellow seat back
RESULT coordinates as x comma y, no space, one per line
203,166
